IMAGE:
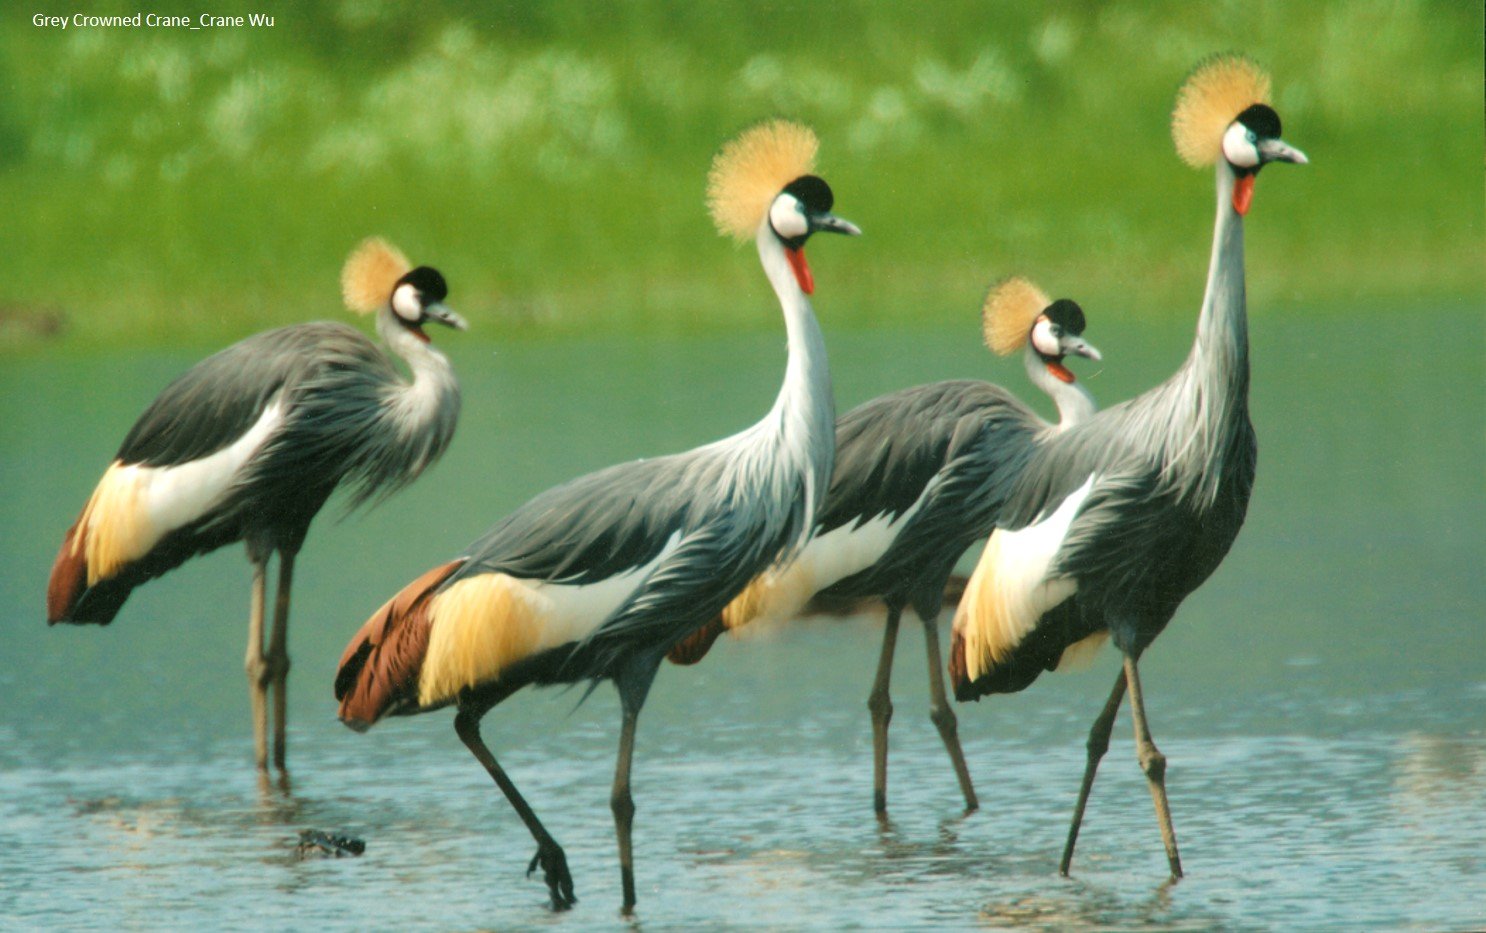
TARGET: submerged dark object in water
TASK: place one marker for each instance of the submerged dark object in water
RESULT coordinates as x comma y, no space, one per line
313,843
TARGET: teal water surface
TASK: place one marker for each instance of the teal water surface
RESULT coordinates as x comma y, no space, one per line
1322,700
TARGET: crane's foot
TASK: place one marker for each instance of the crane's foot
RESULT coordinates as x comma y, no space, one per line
555,872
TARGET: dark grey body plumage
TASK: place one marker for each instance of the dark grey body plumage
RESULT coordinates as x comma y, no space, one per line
331,383
956,445
1140,545
1173,471
620,519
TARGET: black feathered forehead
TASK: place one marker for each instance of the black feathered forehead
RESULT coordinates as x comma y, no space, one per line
813,192
427,280
1262,119
1066,313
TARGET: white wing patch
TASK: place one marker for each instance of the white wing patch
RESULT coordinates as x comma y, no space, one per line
1010,588
578,609
781,592
135,506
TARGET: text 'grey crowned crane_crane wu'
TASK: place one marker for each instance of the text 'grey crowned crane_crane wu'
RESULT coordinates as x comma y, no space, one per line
1113,523
598,578
920,477
249,443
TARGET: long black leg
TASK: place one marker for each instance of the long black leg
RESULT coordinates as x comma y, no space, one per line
549,854
880,703
633,683
1098,744
943,716
277,672
623,805
1153,763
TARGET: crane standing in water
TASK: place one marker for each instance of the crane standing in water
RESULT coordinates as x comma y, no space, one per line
920,475
249,443
598,578
1113,523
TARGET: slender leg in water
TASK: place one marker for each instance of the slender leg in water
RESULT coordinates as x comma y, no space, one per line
633,684
1098,744
1153,763
549,854
278,657
881,706
623,806
254,664
943,716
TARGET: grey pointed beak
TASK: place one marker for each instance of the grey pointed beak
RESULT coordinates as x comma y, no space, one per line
1277,150
1078,346
830,223
446,317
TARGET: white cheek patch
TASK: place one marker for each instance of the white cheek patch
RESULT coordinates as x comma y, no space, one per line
786,217
1043,340
1238,149
405,302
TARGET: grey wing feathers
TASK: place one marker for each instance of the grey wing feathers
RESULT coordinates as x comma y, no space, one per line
590,528
215,402
693,584
340,428
623,518
1108,540
342,424
1140,533
988,451
890,448
1063,463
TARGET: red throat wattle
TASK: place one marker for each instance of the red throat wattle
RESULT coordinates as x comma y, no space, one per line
801,269
1060,372
418,332
1243,194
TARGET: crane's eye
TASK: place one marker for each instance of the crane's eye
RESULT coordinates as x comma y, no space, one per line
1057,331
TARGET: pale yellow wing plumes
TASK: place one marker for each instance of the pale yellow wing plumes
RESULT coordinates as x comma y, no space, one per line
369,274
1217,91
1009,311
752,169
480,626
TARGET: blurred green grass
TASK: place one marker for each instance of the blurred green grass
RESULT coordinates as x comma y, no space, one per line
550,158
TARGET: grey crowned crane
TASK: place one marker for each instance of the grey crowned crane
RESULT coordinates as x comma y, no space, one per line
1111,524
598,578
249,443
920,476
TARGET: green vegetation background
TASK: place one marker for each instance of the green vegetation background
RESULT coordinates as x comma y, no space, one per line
550,157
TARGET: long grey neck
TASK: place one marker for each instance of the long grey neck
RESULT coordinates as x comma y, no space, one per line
805,410
1219,363
427,407
1197,414
1075,404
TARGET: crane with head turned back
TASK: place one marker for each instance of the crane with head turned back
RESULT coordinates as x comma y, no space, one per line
249,443
920,476
598,578
1110,525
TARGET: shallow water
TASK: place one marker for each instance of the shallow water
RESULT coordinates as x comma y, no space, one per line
1320,700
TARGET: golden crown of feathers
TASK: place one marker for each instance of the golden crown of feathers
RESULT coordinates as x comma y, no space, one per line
750,171
1214,94
370,273
1010,308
